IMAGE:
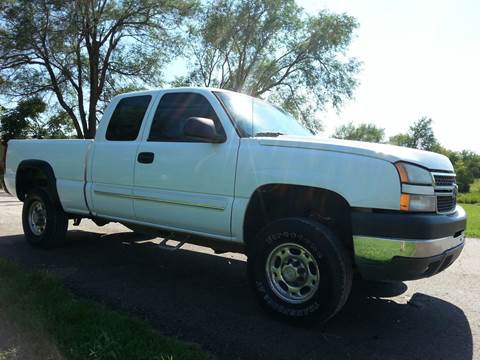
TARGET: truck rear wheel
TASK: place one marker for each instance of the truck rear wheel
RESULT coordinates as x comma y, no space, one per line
299,270
44,223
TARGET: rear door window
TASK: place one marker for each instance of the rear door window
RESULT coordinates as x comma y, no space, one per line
127,118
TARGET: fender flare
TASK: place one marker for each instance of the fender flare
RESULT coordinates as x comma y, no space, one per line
45,168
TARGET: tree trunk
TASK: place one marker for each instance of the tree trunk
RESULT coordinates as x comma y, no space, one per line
94,93
92,123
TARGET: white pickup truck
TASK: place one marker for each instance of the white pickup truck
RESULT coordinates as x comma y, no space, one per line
235,173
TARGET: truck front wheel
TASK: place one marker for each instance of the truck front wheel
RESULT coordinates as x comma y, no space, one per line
44,223
299,270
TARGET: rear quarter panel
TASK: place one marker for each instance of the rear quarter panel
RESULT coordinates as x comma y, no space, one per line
67,159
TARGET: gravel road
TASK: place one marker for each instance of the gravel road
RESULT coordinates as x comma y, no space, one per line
204,298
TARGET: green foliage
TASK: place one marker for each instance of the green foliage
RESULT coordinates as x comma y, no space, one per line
25,120
469,198
83,51
273,49
475,187
422,136
362,132
58,126
464,176
419,136
466,164
17,123
400,140
82,329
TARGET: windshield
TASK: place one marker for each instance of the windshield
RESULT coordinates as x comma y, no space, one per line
255,117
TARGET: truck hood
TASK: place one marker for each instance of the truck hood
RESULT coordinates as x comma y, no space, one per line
391,153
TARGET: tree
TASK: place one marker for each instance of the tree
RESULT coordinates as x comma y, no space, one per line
58,126
419,136
82,50
362,132
16,123
401,140
26,120
273,49
467,168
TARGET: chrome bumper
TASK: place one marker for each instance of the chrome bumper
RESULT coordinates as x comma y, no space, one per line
376,249
402,259
406,246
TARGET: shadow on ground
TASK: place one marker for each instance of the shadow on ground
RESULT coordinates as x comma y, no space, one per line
205,299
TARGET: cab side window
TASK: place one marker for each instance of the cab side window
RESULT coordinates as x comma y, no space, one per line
172,113
127,118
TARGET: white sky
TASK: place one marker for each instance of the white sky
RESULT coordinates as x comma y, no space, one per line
420,58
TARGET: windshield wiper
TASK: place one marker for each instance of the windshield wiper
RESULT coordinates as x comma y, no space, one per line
269,133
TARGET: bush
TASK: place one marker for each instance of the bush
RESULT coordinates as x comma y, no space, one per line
470,198
475,186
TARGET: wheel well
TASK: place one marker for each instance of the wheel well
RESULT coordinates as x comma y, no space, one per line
276,201
35,173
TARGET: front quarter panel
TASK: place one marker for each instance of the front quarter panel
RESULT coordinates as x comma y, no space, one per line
361,180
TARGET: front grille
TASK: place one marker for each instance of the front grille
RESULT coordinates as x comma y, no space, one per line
444,180
446,203
446,192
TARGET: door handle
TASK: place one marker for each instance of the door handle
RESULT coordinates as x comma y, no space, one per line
146,157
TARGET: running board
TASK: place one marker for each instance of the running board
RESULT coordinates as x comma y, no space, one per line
163,244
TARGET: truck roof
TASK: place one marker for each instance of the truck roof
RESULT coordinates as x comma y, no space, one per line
198,89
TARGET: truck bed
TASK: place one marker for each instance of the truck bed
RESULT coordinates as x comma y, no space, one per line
67,158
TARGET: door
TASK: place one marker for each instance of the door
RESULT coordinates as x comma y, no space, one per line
186,184
113,159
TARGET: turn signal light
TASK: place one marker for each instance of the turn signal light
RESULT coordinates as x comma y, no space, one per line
405,202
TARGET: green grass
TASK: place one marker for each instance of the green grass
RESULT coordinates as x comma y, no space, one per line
81,329
471,203
473,219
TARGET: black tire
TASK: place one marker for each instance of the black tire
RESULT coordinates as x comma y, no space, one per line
321,301
55,226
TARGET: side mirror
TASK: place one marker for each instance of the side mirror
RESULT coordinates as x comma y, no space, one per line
203,129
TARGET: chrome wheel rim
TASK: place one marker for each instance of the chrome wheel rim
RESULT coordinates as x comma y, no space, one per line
37,217
292,273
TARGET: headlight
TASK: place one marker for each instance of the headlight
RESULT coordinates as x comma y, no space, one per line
415,175
412,174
